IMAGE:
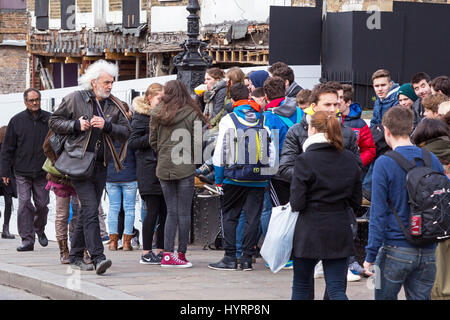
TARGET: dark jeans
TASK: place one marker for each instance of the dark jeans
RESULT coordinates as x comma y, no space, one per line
235,199
8,208
32,219
87,230
178,195
412,268
156,210
334,271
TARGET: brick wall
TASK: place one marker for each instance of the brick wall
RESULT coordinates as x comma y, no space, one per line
13,65
55,9
115,5
156,3
13,25
84,6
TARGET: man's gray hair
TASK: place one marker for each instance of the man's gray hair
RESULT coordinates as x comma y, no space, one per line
94,71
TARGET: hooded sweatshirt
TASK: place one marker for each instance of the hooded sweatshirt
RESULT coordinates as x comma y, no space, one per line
248,113
364,138
275,110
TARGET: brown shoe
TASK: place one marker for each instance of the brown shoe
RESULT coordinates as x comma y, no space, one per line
127,242
63,251
113,238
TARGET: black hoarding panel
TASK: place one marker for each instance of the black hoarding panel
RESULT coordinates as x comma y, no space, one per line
337,42
426,38
295,34
68,14
131,13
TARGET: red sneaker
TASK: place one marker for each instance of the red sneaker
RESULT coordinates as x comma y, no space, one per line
182,256
170,260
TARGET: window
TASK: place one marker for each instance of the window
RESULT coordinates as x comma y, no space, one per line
131,11
13,4
41,13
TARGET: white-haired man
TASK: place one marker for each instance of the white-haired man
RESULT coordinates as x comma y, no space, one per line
92,118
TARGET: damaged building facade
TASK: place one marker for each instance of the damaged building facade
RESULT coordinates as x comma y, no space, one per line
143,36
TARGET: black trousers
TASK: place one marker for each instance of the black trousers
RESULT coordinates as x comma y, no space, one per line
8,208
156,209
234,199
87,230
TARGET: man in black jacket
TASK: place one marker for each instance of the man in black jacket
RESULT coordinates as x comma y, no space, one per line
91,118
324,97
22,150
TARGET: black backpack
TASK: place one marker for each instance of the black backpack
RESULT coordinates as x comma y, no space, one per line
381,146
429,201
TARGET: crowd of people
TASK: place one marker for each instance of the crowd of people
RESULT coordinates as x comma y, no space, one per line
311,149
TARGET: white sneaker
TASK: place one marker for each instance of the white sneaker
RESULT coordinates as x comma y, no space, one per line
119,245
318,270
352,277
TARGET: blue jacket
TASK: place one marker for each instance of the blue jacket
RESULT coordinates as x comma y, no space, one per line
249,115
389,183
128,174
288,109
381,106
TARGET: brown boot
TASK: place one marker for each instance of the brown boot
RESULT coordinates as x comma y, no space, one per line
127,242
113,238
63,251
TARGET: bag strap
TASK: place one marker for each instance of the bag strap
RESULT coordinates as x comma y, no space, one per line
427,160
401,160
404,230
286,120
117,158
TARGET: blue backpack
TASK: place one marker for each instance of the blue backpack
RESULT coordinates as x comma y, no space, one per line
249,153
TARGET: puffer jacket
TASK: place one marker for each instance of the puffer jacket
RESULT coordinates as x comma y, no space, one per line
293,90
381,106
297,135
363,134
65,121
146,160
186,144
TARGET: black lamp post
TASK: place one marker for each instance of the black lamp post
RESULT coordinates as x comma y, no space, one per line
193,61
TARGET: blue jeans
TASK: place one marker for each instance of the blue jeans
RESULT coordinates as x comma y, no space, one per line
115,191
264,223
415,269
335,271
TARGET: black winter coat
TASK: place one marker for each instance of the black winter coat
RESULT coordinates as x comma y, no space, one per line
293,143
22,145
146,159
326,186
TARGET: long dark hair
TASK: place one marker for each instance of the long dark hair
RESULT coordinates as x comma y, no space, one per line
176,96
429,129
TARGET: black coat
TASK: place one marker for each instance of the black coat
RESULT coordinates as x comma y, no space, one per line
326,186
146,159
11,188
22,145
293,143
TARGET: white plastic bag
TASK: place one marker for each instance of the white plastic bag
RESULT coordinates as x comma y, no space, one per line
277,245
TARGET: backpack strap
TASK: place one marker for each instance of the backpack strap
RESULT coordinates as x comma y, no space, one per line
427,160
401,160
286,120
404,230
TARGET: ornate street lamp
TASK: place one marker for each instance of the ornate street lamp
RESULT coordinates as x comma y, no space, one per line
193,61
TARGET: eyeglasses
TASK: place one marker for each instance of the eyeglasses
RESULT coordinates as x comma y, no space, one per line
34,100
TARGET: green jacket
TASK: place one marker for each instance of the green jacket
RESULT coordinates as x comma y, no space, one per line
176,145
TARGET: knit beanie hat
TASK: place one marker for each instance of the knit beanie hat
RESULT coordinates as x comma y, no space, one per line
408,91
258,77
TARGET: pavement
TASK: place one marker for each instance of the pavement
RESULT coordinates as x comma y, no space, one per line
40,272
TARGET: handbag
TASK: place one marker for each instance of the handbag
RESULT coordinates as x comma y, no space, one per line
57,142
49,168
76,168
